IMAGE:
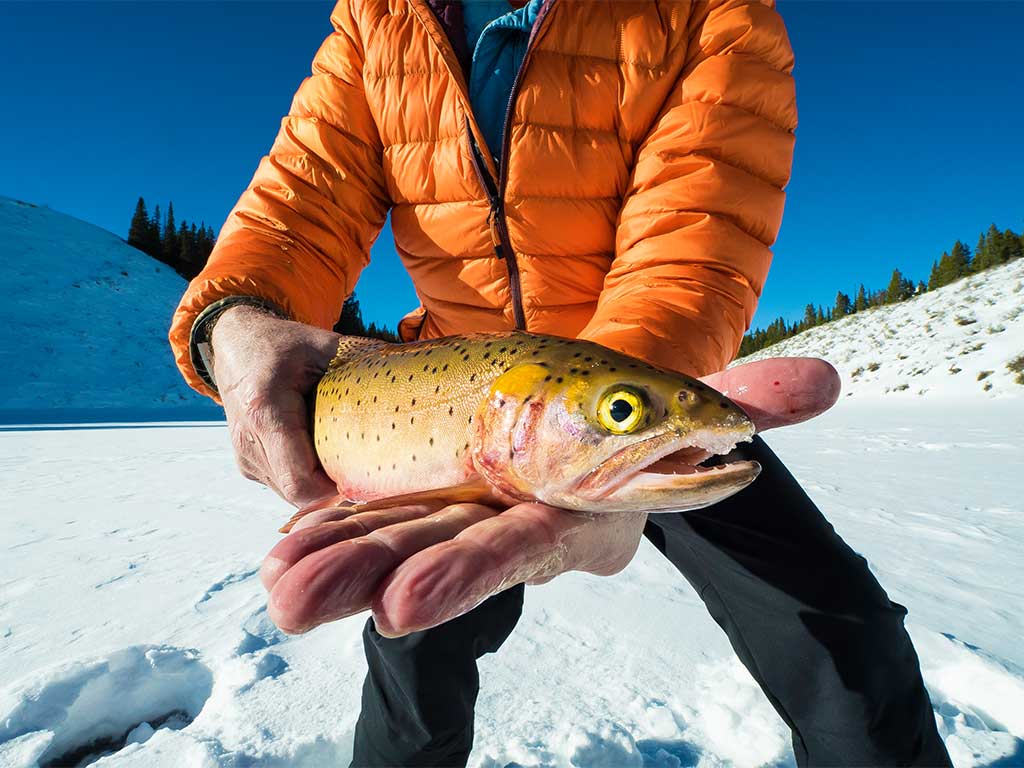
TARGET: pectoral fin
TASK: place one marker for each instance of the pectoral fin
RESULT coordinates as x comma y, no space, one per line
474,491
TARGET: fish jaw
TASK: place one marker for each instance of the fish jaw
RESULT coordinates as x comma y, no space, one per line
668,479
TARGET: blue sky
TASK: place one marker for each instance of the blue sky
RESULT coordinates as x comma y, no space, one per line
911,121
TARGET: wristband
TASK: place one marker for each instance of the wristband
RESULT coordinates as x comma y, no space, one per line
200,339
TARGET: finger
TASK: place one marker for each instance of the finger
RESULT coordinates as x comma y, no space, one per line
326,515
451,578
341,579
347,524
280,427
780,391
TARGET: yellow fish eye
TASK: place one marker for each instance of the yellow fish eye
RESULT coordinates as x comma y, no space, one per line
620,411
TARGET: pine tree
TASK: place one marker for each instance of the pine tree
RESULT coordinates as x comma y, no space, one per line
921,287
139,228
170,246
351,321
944,272
842,307
961,258
1010,246
861,302
982,254
899,288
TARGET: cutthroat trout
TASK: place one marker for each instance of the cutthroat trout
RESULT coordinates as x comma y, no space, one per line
518,416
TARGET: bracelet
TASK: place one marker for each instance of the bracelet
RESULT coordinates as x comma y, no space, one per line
201,337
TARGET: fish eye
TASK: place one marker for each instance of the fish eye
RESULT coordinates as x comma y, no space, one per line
620,411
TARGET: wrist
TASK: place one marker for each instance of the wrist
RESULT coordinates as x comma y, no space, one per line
232,309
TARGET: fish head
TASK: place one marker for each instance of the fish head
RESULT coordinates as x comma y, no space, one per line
595,431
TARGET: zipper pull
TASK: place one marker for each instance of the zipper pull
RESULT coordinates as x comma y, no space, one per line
492,224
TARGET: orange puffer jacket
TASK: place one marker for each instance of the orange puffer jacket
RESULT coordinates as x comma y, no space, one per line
647,148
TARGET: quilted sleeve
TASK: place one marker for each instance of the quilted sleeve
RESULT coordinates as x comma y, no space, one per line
705,199
301,232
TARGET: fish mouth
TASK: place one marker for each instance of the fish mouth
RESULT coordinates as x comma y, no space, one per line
665,472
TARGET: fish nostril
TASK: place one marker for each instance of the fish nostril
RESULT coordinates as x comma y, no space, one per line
687,397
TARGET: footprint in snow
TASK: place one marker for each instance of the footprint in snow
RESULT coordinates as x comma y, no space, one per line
84,710
258,632
236,577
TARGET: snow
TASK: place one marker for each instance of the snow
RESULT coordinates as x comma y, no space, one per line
128,591
949,344
85,320
134,632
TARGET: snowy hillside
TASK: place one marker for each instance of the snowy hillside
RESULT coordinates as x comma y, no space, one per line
85,320
953,342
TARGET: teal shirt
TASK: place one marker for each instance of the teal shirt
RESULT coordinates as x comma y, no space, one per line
498,36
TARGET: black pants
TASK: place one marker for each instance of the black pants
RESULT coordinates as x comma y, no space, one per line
801,609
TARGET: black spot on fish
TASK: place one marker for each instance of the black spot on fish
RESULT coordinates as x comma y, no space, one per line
547,378
431,441
445,367
451,409
535,352
414,457
433,370
501,403
396,409
511,453
527,399
412,420
723,404
392,379
585,373
577,354
392,425
375,398
358,403
471,419
472,377
413,401
410,377
486,355
558,380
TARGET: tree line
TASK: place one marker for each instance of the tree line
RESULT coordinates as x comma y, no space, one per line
182,246
186,247
995,247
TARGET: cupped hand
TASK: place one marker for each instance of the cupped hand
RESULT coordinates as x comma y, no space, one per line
419,566
265,367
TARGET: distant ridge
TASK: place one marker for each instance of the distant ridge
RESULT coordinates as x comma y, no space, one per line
963,341
85,320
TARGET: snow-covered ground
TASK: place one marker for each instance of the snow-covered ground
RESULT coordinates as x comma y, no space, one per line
949,344
85,320
129,595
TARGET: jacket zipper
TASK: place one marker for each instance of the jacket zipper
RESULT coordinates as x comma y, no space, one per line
499,231
496,220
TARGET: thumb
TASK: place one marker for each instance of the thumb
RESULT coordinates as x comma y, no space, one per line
780,391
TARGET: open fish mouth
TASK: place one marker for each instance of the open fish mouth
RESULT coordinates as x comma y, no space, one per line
666,471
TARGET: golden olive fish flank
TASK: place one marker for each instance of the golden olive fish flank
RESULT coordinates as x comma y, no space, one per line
520,416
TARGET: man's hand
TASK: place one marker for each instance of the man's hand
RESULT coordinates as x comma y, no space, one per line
420,566
264,368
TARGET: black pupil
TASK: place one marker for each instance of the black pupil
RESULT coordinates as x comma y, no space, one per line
621,410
